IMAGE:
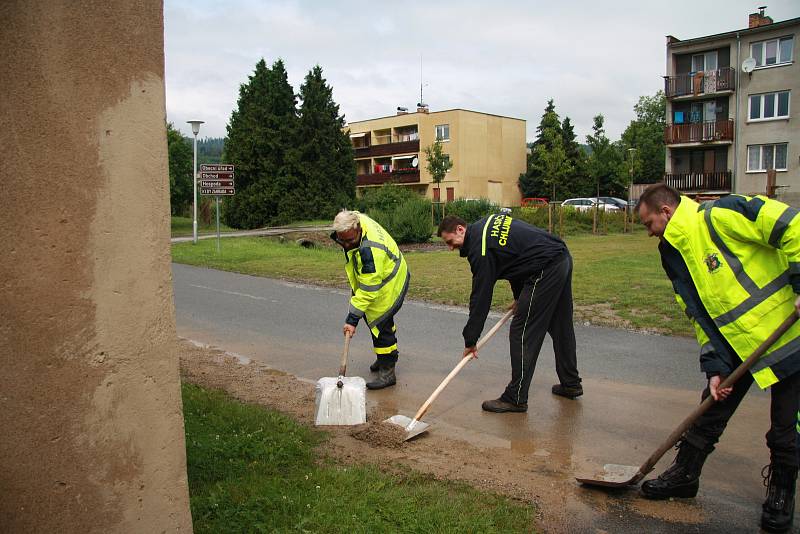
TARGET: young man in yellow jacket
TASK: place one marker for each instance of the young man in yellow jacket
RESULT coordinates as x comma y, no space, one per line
735,268
378,276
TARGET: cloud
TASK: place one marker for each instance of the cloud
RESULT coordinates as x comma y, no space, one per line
502,57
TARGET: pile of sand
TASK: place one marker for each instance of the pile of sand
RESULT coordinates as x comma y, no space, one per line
380,434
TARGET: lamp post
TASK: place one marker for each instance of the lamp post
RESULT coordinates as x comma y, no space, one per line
195,131
631,155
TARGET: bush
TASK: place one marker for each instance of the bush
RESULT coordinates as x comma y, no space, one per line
471,210
408,222
385,198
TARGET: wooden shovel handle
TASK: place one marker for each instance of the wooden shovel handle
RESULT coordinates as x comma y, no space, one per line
345,352
706,404
461,364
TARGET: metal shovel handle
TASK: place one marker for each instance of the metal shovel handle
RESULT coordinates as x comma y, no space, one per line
461,364
743,367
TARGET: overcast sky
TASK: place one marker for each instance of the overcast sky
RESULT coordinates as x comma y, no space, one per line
501,57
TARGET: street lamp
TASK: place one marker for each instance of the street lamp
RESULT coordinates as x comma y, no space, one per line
195,131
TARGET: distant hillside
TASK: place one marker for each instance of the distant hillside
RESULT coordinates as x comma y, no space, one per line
209,150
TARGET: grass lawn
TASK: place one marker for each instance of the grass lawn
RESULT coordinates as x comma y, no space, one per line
182,226
255,470
617,281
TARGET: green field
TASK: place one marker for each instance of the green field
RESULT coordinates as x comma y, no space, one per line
255,470
618,280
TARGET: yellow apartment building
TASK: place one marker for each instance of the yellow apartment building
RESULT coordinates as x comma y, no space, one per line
488,153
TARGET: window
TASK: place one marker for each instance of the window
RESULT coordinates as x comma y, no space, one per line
447,160
772,52
704,62
765,157
443,132
769,106
450,194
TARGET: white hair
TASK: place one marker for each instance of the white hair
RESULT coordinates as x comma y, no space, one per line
345,220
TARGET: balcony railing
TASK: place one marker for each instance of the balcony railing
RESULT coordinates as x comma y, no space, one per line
397,138
699,132
700,83
400,176
388,149
699,181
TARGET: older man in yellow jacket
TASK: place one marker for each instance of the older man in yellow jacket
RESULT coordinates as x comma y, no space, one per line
378,276
735,268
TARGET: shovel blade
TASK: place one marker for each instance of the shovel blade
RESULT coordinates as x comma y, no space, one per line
345,405
613,476
403,421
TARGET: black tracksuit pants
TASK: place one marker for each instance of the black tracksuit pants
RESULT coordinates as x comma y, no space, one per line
544,306
782,435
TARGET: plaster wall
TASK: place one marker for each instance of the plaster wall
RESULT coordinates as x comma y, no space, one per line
90,406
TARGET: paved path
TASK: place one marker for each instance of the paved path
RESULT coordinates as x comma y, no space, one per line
638,387
278,230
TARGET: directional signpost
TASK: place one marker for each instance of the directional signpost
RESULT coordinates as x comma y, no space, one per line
216,179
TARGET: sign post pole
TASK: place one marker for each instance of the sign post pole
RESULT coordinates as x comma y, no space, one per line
217,179
217,224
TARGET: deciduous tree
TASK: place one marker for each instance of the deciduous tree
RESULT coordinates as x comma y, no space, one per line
181,163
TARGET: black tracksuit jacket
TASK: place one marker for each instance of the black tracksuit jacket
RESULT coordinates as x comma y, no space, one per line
501,248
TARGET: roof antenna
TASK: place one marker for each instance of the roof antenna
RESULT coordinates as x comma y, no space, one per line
420,80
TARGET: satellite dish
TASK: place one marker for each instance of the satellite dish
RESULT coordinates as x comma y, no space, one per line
415,162
748,65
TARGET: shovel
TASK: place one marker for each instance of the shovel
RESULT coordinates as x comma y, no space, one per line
618,476
415,427
341,400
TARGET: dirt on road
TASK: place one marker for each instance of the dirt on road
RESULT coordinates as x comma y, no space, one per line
522,475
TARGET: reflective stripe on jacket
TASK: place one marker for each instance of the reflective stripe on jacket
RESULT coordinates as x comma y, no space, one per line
742,254
378,274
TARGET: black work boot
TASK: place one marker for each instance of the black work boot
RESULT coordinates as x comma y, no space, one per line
682,478
385,378
500,406
777,512
570,392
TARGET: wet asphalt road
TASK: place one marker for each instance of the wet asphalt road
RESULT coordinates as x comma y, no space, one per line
638,388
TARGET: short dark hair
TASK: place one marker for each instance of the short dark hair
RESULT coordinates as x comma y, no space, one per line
658,195
449,224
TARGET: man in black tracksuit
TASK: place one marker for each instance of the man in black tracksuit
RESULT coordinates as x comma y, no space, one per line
539,268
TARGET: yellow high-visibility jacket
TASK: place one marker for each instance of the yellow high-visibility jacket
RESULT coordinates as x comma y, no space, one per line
378,275
743,255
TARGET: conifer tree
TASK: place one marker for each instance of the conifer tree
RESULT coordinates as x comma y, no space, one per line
547,157
261,144
328,167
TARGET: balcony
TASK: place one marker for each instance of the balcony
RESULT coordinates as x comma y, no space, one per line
699,132
699,181
387,145
400,176
700,83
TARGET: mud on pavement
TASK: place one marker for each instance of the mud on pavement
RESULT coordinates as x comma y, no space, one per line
563,506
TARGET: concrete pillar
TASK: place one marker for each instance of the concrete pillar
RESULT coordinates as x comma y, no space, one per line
90,408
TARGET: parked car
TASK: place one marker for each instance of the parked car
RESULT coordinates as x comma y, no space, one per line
585,204
621,204
533,202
